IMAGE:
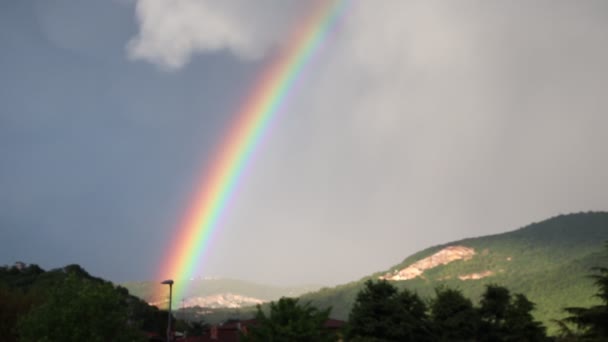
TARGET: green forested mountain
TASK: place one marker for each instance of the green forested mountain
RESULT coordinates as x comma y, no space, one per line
547,261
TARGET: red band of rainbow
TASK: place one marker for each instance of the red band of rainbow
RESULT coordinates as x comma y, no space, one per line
182,259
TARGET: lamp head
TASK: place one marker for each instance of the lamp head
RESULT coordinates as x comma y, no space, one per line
167,282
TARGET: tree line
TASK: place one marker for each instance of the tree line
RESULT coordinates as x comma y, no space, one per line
69,305
383,313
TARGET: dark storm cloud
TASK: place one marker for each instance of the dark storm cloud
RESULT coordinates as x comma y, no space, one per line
425,122
98,153
420,122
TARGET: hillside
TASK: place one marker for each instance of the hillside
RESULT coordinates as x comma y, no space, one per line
547,261
219,293
70,292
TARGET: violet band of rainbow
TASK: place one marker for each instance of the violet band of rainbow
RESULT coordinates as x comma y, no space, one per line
267,98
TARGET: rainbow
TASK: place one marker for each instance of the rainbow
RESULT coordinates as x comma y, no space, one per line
252,121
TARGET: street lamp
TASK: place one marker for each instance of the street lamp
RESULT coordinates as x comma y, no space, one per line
170,283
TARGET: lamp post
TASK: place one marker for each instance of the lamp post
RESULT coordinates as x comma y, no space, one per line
170,283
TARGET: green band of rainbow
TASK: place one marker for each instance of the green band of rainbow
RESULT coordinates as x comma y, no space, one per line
183,258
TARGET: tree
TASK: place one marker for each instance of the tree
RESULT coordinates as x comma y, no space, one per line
290,321
382,313
593,321
14,303
519,322
453,316
504,319
79,310
196,328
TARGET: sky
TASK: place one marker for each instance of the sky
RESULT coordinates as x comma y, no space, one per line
416,124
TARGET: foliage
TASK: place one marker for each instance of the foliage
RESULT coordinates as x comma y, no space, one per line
453,316
14,303
25,288
592,321
79,310
196,328
382,313
290,321
504,318
494,306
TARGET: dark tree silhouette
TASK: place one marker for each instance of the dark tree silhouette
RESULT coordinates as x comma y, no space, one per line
453,316
593,321
382,313
506,319
79,310
290,321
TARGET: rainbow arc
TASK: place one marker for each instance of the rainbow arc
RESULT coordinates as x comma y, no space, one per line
265,101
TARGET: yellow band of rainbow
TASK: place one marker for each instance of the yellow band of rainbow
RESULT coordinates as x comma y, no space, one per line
183,257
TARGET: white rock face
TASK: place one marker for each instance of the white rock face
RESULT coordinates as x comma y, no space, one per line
443,257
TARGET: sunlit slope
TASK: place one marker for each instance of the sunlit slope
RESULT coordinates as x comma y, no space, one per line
548,261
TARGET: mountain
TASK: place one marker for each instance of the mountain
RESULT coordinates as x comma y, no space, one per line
548,261
214,293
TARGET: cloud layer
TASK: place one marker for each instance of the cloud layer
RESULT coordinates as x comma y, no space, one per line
418,123
424,122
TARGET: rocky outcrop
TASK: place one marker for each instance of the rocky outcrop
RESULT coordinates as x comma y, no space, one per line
443,257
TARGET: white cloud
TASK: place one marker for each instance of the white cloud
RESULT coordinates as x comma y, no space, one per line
172,32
